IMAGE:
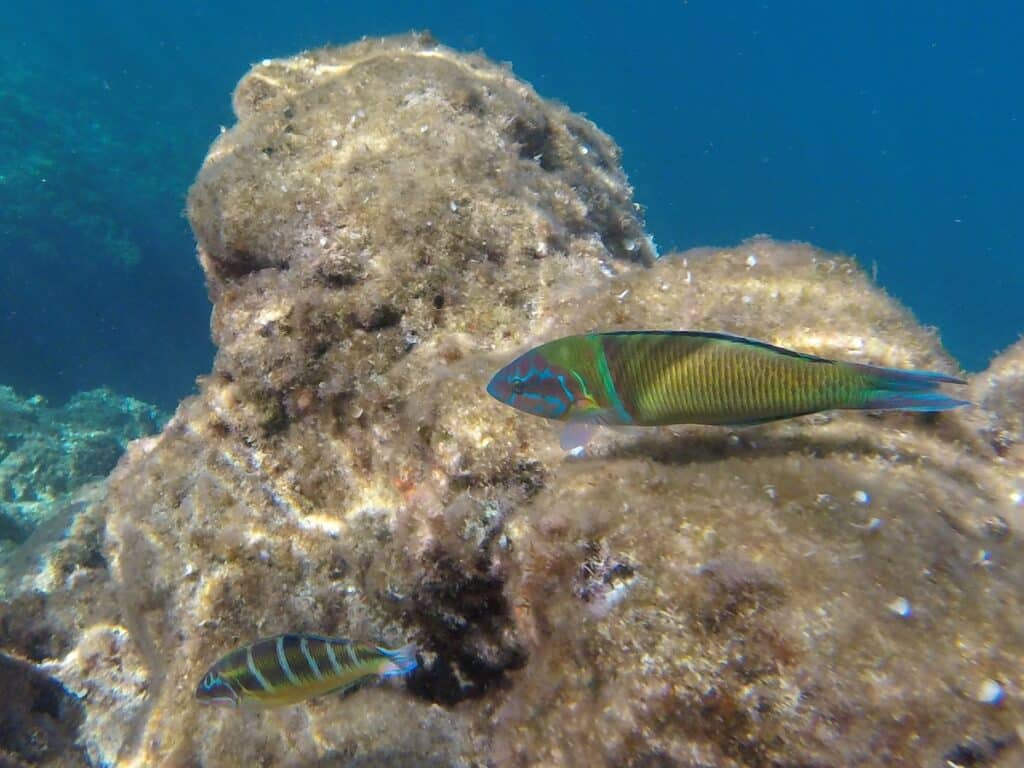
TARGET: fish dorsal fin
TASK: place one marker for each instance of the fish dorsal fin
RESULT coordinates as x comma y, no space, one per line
723,336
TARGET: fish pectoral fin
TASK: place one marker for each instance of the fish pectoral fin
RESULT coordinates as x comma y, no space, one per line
575,436
581,428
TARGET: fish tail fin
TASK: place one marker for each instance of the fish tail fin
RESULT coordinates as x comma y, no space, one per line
893,389
402,661
881,400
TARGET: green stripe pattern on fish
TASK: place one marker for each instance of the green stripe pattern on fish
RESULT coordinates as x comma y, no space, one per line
656,378
287,669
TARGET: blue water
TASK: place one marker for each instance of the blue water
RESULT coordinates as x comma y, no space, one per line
891,131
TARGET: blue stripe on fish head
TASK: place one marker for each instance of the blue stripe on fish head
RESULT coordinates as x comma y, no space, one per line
214,689
532,384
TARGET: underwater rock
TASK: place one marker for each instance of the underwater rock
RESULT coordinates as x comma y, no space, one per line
1000,391
371,198
47,453
386,225
39,720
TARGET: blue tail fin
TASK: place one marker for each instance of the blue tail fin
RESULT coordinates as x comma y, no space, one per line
893,389
403,660
880,400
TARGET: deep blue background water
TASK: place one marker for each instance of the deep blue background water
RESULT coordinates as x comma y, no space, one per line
891,131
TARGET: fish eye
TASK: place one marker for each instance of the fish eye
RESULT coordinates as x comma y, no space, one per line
209,681
518,386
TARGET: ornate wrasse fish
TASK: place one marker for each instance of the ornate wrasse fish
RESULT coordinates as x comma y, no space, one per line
287,669
654,378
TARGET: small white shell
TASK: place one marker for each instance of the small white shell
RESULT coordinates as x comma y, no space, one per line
990,692
901,607
872,525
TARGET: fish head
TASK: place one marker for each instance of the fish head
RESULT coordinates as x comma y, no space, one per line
534,384
213,689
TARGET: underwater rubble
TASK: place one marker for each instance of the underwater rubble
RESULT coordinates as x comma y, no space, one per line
386,225
47,453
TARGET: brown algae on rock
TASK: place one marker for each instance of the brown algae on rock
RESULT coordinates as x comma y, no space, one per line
385,224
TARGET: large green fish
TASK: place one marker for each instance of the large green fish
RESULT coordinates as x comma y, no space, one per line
653,378
287,669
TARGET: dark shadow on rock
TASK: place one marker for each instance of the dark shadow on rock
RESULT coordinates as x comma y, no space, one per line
39,719
721,444
26,630
467,621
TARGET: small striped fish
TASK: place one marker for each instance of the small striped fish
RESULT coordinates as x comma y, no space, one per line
287,669
652,378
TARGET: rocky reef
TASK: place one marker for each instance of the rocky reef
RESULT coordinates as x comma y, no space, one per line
388,223
47,453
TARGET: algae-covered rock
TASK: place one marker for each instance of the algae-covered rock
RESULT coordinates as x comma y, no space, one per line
374,198
385,226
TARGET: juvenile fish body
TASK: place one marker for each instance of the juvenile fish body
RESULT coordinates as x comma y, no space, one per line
654,378
287,669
